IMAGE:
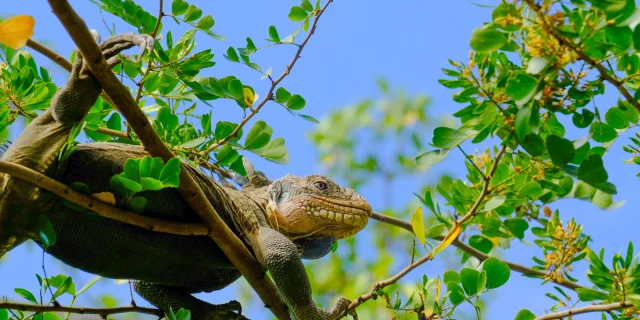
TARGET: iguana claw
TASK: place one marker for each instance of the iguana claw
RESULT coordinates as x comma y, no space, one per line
80,93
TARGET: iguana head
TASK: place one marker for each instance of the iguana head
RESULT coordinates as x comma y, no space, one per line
314,206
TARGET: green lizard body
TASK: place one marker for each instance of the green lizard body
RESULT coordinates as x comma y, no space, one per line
280,221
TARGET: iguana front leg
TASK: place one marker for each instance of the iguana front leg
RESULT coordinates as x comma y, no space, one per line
165,297
80,93
280,256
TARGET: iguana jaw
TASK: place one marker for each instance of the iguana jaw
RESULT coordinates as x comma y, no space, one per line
317,215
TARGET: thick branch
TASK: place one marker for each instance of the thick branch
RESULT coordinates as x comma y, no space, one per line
471,251
228,242
587,309
100,208
104,312
274,83
604,73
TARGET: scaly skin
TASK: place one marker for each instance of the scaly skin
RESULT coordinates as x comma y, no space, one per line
280,221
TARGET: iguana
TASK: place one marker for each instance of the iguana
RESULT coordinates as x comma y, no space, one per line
279,221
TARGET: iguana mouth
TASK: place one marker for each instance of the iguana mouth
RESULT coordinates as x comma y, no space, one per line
350,212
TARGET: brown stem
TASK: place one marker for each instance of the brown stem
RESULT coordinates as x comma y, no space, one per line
76,310
274,83
587,309
111,132
604,73
100,208
226,240
49,54
471,251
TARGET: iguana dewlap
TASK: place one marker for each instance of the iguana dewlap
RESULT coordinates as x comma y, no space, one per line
279,222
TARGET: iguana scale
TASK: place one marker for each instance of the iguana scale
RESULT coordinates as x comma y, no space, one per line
280,221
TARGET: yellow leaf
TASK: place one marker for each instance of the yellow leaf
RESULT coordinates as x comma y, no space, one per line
438,288
248,96
107,197
15,31
448,239
417,223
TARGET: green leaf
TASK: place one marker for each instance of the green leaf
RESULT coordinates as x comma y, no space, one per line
179,7
282,95
448,138
192,13
59,281
525,314
170,175
583,120
26,294
88,285
194,143
451,276
592,170
432,157
456,295
602,132
435,230
498,272
297,14
522,123
533,144
226,155
495,202
307,5
531,190
308,118
205,23
258,136
273,33
517,226
586,294
520,85
469,280
4,314
616,118
46,232
561,151
151,184
480,243
235,88
232,55
296,102
64,287
130,184
276,151
601,199
417,224
487,39
137,204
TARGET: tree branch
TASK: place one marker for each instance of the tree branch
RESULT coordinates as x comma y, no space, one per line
604,74
100,208
381,284
587,309
226,240
104,312
61,61
274,83
471,251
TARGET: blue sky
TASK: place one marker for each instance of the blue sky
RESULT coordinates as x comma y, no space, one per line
406,42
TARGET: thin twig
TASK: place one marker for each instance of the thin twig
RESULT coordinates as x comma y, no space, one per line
191,192
77,310
274,83
587,309
100,208
49,54
604,73
472,162
473,252
110,132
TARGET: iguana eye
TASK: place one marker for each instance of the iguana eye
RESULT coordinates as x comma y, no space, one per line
320,185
